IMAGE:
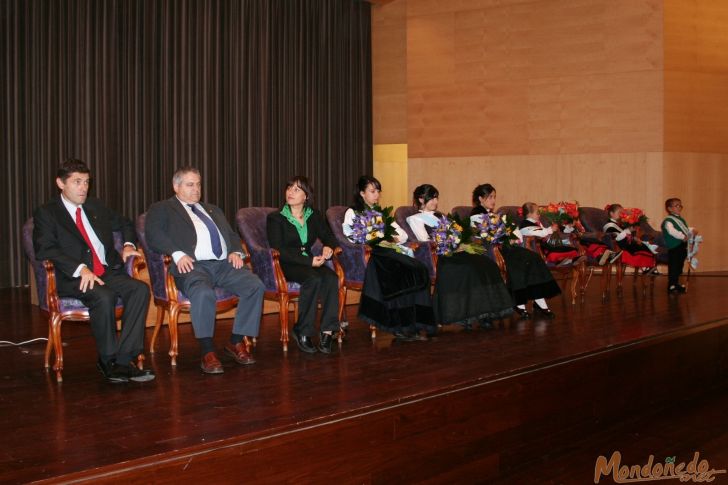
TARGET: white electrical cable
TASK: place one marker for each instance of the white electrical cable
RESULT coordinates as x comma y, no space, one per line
7,342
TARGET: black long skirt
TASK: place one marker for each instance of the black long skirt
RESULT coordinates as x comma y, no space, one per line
528,276
469,288
396,293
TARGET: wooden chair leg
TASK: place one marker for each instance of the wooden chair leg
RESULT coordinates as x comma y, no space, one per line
620,277
373,331
283,317
173,339
57,346
574,284
342,302
49,344
140,361
157,325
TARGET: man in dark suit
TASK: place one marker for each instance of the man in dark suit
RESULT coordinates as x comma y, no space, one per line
75,232
207,254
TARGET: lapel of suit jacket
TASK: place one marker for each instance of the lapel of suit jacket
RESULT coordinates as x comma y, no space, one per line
182,212
92,219
66,220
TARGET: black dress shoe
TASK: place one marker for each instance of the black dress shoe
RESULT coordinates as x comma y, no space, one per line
545,312
304,343
112,372
523,313
677,289
325,342
405,337
486,324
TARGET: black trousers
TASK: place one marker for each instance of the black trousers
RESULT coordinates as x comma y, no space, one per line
675,262
316,284
101,302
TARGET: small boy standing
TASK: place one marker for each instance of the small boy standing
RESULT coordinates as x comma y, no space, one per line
676,233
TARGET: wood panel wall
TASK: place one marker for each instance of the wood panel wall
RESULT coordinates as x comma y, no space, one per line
595,100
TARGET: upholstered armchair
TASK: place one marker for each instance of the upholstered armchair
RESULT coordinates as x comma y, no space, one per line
166,296
646,232
572,271
512,212
425,253
63,309
655,237
593,220
462,211
264,260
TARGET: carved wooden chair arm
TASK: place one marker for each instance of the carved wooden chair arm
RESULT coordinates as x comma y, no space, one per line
338,268
169,285
51,290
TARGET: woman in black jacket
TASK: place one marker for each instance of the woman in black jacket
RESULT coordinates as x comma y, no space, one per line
292,231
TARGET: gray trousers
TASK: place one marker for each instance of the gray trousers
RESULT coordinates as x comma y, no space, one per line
199,286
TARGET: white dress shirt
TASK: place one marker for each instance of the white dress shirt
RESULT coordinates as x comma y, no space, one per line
419,223
95,241
203,249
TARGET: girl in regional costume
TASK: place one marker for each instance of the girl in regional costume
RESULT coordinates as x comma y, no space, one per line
528,276
469,287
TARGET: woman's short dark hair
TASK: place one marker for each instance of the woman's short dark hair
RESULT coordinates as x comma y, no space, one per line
361,185
482,190
426,192
72,165
302,182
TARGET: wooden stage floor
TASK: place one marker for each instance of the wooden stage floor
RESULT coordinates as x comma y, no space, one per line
466,406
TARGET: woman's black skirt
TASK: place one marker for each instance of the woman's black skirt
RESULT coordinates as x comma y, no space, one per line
396,293
469,288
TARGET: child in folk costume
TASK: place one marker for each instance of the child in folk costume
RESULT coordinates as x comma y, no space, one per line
556,250
676,233
528,276
635,252
598,250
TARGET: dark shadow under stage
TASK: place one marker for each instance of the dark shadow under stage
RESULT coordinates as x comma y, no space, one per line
465,406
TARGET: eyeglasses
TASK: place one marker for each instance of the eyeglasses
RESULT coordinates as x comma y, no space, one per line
678,206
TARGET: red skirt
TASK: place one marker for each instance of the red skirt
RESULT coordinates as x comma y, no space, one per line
558,256
595,250
640,259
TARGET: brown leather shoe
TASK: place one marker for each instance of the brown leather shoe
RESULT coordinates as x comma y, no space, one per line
211,364
240,353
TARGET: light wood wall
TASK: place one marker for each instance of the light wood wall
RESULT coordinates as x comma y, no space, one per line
593,100
696,118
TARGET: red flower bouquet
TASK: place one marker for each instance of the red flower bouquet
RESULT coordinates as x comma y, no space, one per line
564,212
630,217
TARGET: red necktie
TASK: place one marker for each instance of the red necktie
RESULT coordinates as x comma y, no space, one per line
98,266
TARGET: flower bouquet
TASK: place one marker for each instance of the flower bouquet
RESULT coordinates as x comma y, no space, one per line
560,212
452,235
631,217
373,226
495,229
